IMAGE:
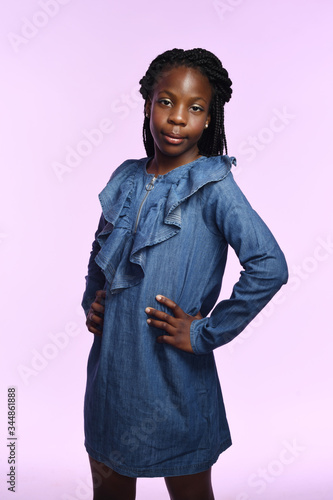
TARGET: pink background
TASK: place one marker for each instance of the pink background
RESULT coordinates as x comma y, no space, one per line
70,66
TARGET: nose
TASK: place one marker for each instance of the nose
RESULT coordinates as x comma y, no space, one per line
177,115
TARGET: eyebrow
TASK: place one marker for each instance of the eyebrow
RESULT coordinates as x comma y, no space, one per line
173,95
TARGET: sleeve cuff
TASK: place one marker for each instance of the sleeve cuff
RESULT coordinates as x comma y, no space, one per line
195,329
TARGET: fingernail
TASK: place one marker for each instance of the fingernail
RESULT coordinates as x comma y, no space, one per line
148,321
159,297
147,310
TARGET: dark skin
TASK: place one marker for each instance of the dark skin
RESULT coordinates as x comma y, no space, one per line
177,326
109,485
95,315
179,113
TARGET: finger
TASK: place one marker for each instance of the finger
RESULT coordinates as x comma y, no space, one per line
94,330
95,319
177,311
161,315
100,296
165,339
99,308
162,325
94,324
173,341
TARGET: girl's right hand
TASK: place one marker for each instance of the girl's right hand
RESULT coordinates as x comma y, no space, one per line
95,315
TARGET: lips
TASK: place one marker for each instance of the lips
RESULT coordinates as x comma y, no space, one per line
174,138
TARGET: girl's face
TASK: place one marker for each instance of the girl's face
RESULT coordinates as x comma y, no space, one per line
179,111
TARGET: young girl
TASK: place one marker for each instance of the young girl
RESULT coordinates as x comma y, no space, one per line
153,403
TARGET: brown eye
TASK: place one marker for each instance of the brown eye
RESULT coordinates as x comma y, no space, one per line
197,108
165,102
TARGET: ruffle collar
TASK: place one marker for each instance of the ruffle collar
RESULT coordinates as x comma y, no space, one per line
123,254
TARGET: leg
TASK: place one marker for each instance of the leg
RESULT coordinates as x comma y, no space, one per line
191,487
109,485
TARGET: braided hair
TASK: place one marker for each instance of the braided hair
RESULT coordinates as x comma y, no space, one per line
213,141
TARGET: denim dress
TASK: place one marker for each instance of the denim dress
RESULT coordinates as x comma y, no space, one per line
151,409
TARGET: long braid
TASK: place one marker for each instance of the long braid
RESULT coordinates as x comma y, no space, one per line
213,141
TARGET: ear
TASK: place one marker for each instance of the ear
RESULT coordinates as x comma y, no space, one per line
148,107
208,120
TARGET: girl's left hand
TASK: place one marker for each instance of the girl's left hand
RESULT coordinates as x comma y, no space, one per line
177,326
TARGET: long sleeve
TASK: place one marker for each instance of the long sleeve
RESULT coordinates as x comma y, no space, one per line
264,271
95,279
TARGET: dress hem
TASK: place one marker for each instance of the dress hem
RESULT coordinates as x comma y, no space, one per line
158,472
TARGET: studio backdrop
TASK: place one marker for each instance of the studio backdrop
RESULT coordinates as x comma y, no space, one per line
70,114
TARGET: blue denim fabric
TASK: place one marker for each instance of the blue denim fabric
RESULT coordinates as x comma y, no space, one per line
151,409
